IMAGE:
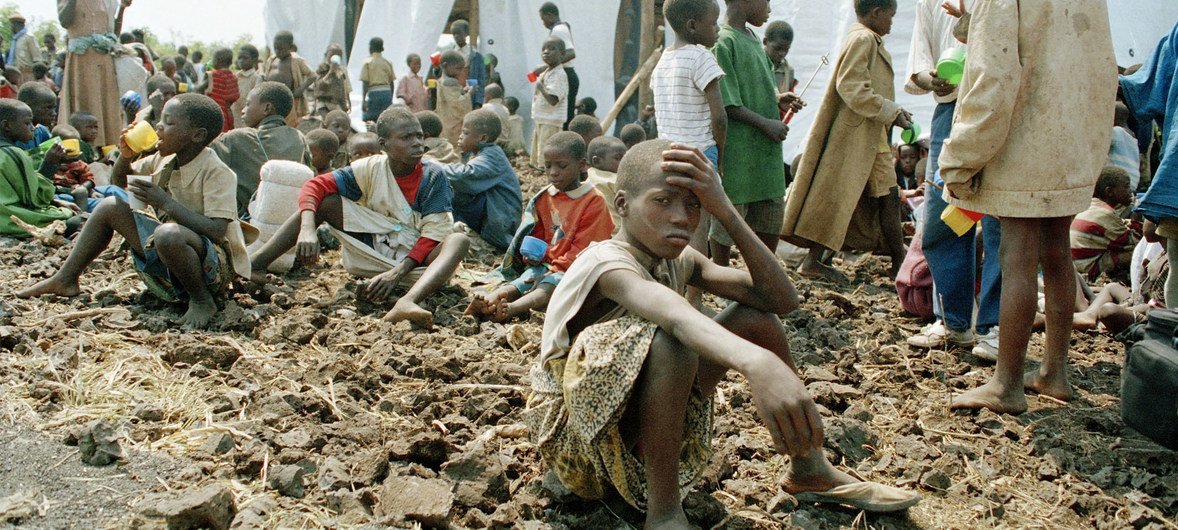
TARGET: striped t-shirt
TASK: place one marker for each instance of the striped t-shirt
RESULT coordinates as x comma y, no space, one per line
678,83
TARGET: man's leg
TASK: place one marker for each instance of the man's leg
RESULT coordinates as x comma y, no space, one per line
574,88
183,252
331,211
440,267
110,216
1020,265
1060,289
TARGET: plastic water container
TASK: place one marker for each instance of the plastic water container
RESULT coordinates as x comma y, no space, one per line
131,97
951,65
533,249
911,134
960,220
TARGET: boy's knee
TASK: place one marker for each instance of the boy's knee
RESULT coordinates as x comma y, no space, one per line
457,241
666,352
746,322
110,205
170,236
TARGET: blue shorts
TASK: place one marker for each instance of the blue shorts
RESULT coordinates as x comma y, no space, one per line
105,191
536,276
156,275
713,154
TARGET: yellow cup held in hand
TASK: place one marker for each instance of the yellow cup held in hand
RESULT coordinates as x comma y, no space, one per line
72,146
141,137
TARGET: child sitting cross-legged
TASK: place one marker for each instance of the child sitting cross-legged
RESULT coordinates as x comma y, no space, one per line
622,390
568,215
191,243
437,147
391,213
605,153
486,190
26,190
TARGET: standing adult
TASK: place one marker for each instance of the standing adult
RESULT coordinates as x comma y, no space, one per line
1020,151
550,15
24,51
951,258
90,82
1152,95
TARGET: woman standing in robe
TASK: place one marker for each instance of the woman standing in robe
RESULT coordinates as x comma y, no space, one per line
90,83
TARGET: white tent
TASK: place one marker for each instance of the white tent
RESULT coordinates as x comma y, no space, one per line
511,30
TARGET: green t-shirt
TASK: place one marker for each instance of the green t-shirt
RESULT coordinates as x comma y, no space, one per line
753,167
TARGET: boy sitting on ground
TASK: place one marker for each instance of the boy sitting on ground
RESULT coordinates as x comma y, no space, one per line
486,190
323,145
622,389
437,147
586,126
338,122
586,106
513,139
43,102
568,215
605,153
1102,242
391,213
196,244
26,190
363,145
74,182
265,137
87,126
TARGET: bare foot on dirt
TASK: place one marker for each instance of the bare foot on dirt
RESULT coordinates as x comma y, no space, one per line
199,313
504,311
51,285
480,307
992,396
407,310
673,521
1083,321
1056,387
821,271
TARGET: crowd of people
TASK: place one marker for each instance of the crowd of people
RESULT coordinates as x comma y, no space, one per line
219,174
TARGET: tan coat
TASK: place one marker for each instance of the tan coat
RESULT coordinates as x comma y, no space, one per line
847,133
1034,119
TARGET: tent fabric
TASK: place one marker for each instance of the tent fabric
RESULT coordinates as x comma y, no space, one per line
511,30
315,24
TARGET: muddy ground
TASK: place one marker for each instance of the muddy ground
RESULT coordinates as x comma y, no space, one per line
300,408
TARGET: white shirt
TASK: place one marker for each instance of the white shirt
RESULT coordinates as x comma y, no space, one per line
678,82
556,82
931,36
565,32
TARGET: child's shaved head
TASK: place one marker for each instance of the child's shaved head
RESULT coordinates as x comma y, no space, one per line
1110,177
587,126
494,91
641,165
632,134
604,151
323,139
201,112
363,145
679,12
452,58
66,132
486,122
567,142
389,119
431,124
276,94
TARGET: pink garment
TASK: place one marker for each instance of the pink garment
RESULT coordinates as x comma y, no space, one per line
412,90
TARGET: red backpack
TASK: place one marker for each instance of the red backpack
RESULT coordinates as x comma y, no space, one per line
914,284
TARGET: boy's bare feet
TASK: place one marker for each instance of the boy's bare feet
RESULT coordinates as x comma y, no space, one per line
199,313
404,309
815,269
504,311
51,285
1084,321
993,396
1057,387
480,307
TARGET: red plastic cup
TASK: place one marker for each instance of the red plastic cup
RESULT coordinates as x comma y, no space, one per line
532,77
435,58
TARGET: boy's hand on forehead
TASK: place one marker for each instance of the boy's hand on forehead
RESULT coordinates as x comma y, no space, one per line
694,173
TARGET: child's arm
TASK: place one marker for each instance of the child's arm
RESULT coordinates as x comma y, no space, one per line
765,286
733,104
52,161
719,119
474,177
853,82
552,99
781,398
153,195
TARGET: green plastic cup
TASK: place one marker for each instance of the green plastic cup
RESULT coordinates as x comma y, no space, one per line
951,65
911,134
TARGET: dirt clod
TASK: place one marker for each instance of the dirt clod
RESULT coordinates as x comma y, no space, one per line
288,480
427,501
99,443
212,507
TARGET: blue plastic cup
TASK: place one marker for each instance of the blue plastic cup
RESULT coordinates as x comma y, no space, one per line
472,83
533,249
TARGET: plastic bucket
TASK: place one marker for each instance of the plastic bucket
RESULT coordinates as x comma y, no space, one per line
951,65
911,134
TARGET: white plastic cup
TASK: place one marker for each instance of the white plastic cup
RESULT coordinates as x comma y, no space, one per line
132,200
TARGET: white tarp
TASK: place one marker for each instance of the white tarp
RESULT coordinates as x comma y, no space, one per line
1138,25
407,26
315,24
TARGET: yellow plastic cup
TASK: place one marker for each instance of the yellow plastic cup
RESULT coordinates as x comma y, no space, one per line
181,88
141,137
72,146
106,150
431,83
951,65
